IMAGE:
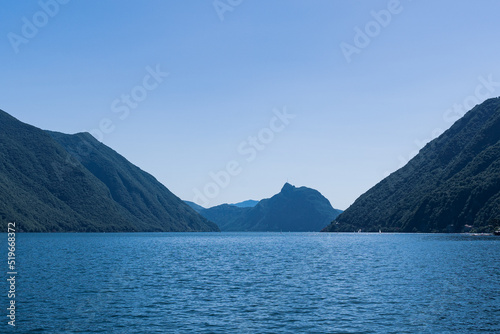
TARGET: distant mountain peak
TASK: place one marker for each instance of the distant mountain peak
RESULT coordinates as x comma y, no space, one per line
246,204
287,187
293,209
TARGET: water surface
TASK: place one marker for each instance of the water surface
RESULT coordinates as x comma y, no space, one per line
257,283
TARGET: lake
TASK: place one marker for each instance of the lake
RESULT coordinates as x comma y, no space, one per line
255,283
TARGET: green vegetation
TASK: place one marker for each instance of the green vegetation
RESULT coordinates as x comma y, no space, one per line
454,181
76,184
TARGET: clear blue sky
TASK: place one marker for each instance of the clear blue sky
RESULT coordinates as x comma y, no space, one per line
67,69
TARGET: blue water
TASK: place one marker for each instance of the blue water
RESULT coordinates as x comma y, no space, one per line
256,283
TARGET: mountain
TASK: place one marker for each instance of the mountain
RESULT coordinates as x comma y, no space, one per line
293,209
73,183
451,185
246,204
225,216
194,206
135,190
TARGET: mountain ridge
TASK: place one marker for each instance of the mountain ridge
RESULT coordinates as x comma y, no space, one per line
451,185
45,188
292,209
